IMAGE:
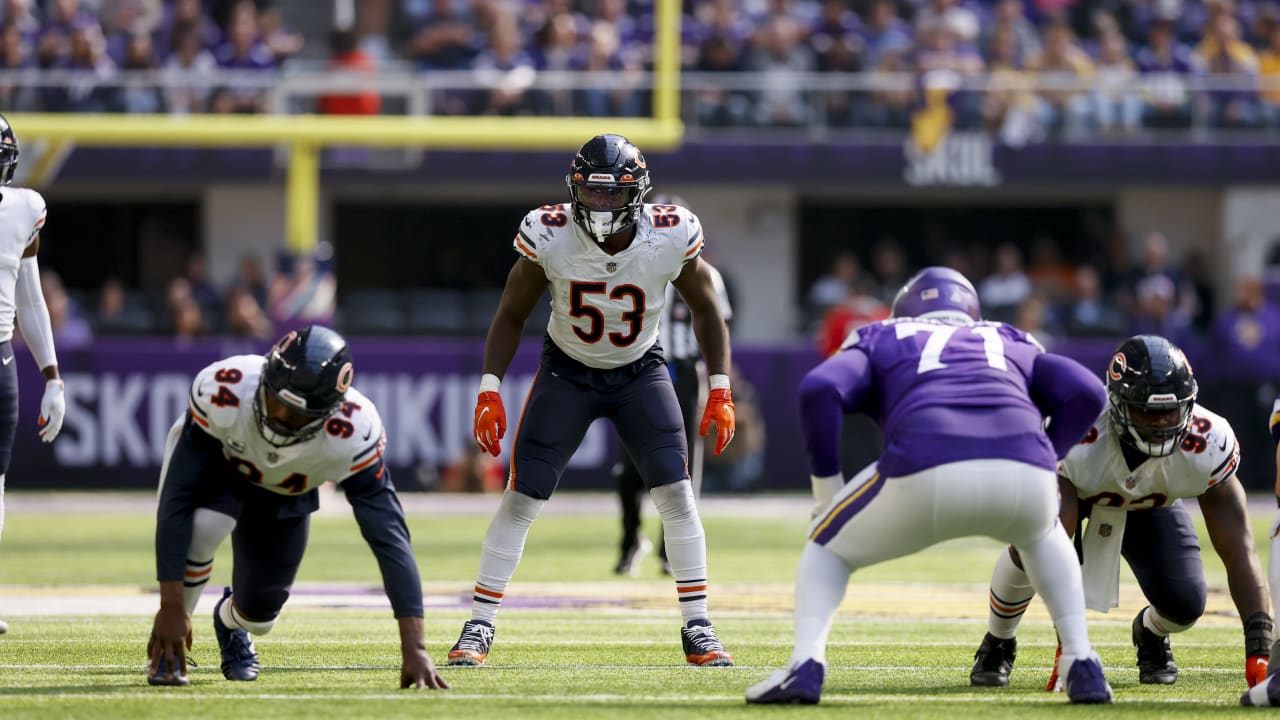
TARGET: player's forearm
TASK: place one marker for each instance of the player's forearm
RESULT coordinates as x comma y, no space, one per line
501,343
1247,585
171,594
412,635
713,339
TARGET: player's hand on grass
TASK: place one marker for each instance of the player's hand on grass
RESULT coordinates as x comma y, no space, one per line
170,640
418,671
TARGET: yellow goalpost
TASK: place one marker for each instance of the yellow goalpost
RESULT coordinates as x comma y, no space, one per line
306,135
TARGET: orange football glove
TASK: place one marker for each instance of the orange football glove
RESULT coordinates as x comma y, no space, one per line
491,422
1255,669
720,410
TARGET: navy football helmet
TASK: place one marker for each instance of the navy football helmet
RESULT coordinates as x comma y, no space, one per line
607,184
304,381
939,293
1151,391
8,152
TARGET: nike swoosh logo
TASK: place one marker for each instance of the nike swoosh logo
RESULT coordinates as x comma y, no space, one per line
1223,447
482,414
367,433
7,360
788,682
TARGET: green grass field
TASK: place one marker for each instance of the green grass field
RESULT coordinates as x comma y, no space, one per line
573,639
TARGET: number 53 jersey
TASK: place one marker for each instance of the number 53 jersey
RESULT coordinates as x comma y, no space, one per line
221,404
605,308
1208,456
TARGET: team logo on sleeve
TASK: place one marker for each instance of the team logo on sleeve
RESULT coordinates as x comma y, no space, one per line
1119,364
345,376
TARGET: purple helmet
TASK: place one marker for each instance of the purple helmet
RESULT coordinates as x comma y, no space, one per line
938,292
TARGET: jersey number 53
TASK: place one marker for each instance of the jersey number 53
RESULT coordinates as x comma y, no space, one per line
580,307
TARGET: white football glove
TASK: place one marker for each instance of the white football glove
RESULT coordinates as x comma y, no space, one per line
53,407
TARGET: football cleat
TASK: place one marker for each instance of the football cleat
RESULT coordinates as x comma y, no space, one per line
1155,657
632,555
161,676
801,685
993,661
1264,694
702,647
239,658
1086,685
473,645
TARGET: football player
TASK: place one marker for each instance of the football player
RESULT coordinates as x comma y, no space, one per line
1267,692
689,376
260,436
22,215
1152,447
967,452
606,258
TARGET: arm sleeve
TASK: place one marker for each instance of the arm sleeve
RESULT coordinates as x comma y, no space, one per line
381,520
1069,395
194,455
841,384
33,314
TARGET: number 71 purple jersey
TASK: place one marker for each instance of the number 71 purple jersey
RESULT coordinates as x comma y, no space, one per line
944,393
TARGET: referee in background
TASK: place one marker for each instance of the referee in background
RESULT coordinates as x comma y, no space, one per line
689,375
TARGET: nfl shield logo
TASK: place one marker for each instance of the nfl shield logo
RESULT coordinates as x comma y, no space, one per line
611,266
272,457
1105,530
1130,482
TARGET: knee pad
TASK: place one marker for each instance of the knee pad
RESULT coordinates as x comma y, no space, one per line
675,501
208,529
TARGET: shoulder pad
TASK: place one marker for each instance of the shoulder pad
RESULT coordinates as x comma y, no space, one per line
1211,446
538,229
364,447
1016,334
35,205
221,388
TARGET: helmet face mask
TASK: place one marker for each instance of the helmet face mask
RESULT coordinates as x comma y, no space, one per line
8,152
304,381
1151,392
607,184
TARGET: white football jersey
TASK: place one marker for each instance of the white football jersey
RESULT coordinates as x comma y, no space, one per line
1208,456
222,399
22,214
605,308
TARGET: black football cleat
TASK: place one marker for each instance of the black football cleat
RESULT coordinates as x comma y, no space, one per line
993,662
1155,656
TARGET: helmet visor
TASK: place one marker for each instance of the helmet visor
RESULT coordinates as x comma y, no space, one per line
1159,423
282,422
604,198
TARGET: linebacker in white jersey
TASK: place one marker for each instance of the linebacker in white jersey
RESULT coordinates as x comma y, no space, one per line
22,215
260,436
1153,447
606,258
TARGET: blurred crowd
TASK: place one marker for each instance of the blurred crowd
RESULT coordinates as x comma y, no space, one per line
254,307
1116,295
181,40
1088,56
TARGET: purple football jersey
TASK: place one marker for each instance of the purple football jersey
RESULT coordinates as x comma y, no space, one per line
945,393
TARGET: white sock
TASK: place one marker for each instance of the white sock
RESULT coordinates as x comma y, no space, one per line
500,554
1011,593
208,529
1054,569
686,546
232,618
2,504
1161,625
821,580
